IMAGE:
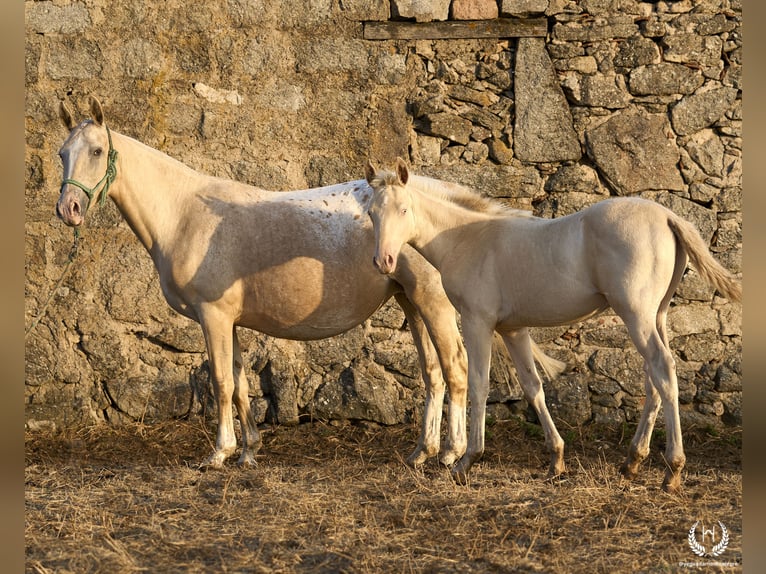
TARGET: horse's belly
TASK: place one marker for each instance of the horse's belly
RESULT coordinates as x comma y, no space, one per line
308,299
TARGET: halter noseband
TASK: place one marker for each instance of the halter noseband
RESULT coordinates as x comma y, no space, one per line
105,182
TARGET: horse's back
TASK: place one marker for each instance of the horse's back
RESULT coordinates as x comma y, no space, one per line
289,264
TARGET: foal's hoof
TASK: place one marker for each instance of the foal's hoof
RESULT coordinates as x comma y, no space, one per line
672,483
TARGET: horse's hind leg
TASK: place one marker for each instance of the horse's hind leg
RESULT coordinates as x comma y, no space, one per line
424,292
520,348
251,440
428,442
660,368
217,329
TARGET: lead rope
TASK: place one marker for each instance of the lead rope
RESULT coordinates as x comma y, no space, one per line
70,259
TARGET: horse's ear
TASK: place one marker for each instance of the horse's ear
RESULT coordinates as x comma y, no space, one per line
402,172
369,171
96,111
66,116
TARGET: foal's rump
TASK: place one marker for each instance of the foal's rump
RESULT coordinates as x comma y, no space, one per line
650,244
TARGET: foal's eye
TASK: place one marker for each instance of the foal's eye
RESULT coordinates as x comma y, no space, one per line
97,152
404,211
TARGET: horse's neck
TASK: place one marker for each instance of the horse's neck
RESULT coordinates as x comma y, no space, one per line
150,188
440,226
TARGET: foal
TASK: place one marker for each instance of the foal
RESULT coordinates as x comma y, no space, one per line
505,271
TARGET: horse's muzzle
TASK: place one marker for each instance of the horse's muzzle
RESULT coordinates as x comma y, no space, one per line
69,208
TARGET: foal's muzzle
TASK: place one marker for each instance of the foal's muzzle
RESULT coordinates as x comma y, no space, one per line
385,264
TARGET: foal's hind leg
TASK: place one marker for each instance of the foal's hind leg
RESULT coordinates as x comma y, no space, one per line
251,440
520,348
639,446
660,368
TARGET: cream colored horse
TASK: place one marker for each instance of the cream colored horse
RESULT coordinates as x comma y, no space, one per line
293,265
505,271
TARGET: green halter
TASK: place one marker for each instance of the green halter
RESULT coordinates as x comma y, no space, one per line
105,182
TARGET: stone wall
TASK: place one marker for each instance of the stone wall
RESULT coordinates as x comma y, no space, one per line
620,98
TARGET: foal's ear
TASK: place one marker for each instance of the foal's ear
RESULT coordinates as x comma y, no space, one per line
369,171
66,116
402,172
96,111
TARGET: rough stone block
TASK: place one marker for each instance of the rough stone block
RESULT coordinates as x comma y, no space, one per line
523,8
421,10
697,111
474,9
543,131
635,142
664,79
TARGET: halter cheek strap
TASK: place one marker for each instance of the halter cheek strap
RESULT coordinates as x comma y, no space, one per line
105,182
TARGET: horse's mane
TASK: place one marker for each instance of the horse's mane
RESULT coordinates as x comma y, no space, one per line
460,195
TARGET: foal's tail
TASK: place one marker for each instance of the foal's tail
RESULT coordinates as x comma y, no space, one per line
551,367
704,263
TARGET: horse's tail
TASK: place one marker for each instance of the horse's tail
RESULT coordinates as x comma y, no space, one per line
551,367
704,263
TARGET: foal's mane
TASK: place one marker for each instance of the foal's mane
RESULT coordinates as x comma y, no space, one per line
454,193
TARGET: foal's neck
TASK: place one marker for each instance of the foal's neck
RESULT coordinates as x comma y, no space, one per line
442,225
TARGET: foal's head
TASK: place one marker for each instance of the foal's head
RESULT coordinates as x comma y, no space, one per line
88,161
390,209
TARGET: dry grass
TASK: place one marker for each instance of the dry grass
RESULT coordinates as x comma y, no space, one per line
340,499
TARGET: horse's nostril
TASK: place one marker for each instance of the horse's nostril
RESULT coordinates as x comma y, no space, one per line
76,207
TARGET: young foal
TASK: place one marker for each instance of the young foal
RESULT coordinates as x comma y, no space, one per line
293,265
505,271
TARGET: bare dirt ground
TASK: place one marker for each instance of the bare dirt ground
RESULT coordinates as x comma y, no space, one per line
327,498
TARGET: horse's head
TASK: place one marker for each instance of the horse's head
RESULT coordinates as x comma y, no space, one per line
390,209
88,160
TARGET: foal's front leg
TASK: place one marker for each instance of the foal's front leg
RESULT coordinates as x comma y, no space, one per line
478,344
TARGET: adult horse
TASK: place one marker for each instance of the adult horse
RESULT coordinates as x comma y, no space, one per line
505,271
292,265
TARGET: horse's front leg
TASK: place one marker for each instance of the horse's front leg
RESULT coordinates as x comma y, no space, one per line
218,329
428,441
251,439
478,344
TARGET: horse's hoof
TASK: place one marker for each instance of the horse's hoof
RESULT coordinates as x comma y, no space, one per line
460,473
417,458
246,461
557,472
629,470
448,458
213,462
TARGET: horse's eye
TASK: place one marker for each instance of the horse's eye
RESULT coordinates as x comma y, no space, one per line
97,152
404,211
